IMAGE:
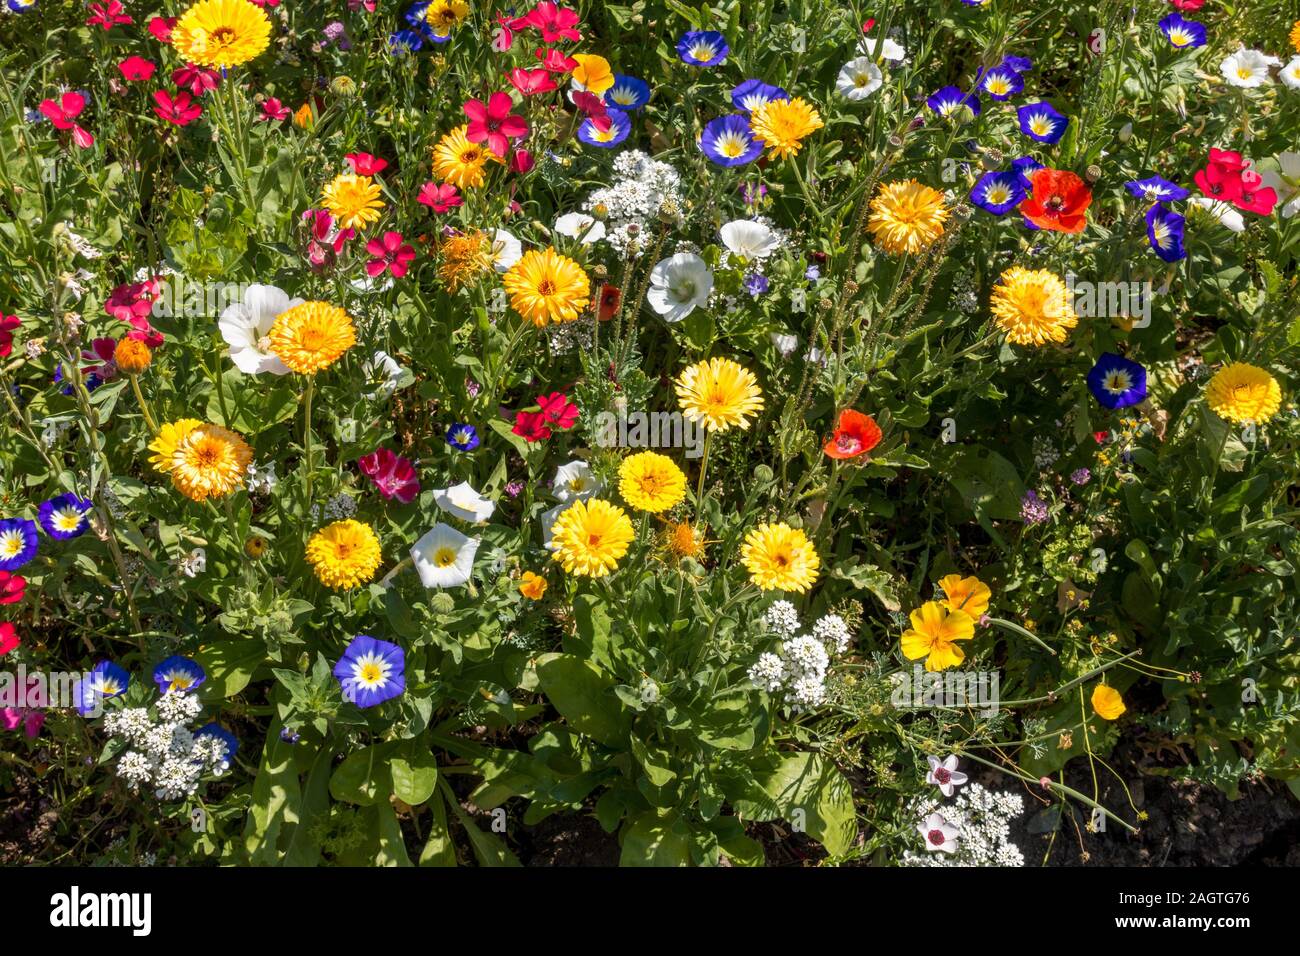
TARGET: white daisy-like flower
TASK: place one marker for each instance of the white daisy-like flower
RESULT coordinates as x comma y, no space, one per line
548,524
1247,68
678,285
749,239
577,225
246,326
464,502
944,774
859,78
883,48
1291,73
384,369
444,558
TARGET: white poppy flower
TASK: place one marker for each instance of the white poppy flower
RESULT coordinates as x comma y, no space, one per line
464,502
245,326
1291,73
945,775
575,224
678,284
939,834
1247,68
574,481
1221,211
444,558
859,79
749,239
506,250
1287,182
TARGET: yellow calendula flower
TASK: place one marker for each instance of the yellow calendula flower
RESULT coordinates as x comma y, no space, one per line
352,200
1107,702
593,72
965,594
303,117
311,336
590,536
547,287
460,162
209,462
1243,393
1295,36
164,444
681,539
344,554
1033,306
221,33
720,393
649,481
465,256
933,635
443,16
779,557
532,586
907,216
782,125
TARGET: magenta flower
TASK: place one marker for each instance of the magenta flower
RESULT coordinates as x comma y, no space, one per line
363,164
389,255
63,114
439,198
100,355
107,15
135,69
531,82
493,123
393,475
196,79
180,110
554,22
273,109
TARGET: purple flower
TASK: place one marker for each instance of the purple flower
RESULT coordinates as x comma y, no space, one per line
513,488
756,284
813,273
1080,476
1033,509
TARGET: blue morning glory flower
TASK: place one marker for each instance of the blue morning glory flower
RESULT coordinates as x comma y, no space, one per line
1116,382
751,94
702,48
1025,167
64,517
405,41
728,141
220,733
1165,232
21,6
998,193
627,93
462,436
1155,189
18,542
105,681
1001,83
178,674
1183,34
950,100
1021,64
415,16
619,127
1039,121
371,671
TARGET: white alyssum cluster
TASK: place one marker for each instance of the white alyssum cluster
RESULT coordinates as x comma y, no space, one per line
797,669
982,819
642,187
261,478
164,753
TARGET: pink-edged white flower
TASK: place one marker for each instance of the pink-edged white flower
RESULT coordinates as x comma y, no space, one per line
1247,68
945,775
940,835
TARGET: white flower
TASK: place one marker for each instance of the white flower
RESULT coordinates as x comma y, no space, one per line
1291,73
748,239
1247,68
464,502
832,631
548,524
678,284
945,775
782,618
884,49
859,79
383,368
246,325
444,558
574,481
261,478
576,224
194,563
1221,211
768,672
784,343
939,834
506,250
1285,183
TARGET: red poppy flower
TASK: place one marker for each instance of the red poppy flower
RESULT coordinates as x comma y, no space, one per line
554,22
392,474
273,109
531,82
8,638
855,434
559,411
12,587
180,110
363,164
389,255
136,69
439,198
493,123
1059,201
611,297
7,325
531,426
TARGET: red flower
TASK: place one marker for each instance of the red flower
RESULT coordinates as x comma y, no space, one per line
1100,437
611,297
181,110
1059,201
107,16
1228,177
7,325
558,410
161,28
554,22
531,426
363,164
389,255
531,82
136,69
8,638
273,109
855,434
196,79
503,37
555,62
439,198
126,302
393,475
494,123
593,107
12,587
871,22
62,115
100,355
1255,196
1187,4
521,161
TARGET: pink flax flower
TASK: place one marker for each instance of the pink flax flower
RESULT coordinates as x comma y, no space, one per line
493,123
180,110
439,198
63,114
531,82
393,475
554,22
389,255
107,15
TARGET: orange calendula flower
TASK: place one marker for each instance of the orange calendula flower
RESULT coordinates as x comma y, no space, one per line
933,635
311,336
1107,702
593,72
855,434
1058,201
132,356
965,594
532,586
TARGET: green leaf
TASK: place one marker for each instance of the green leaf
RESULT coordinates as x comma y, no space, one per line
230,665
415,774
363,777
805,789
584,695
652,840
